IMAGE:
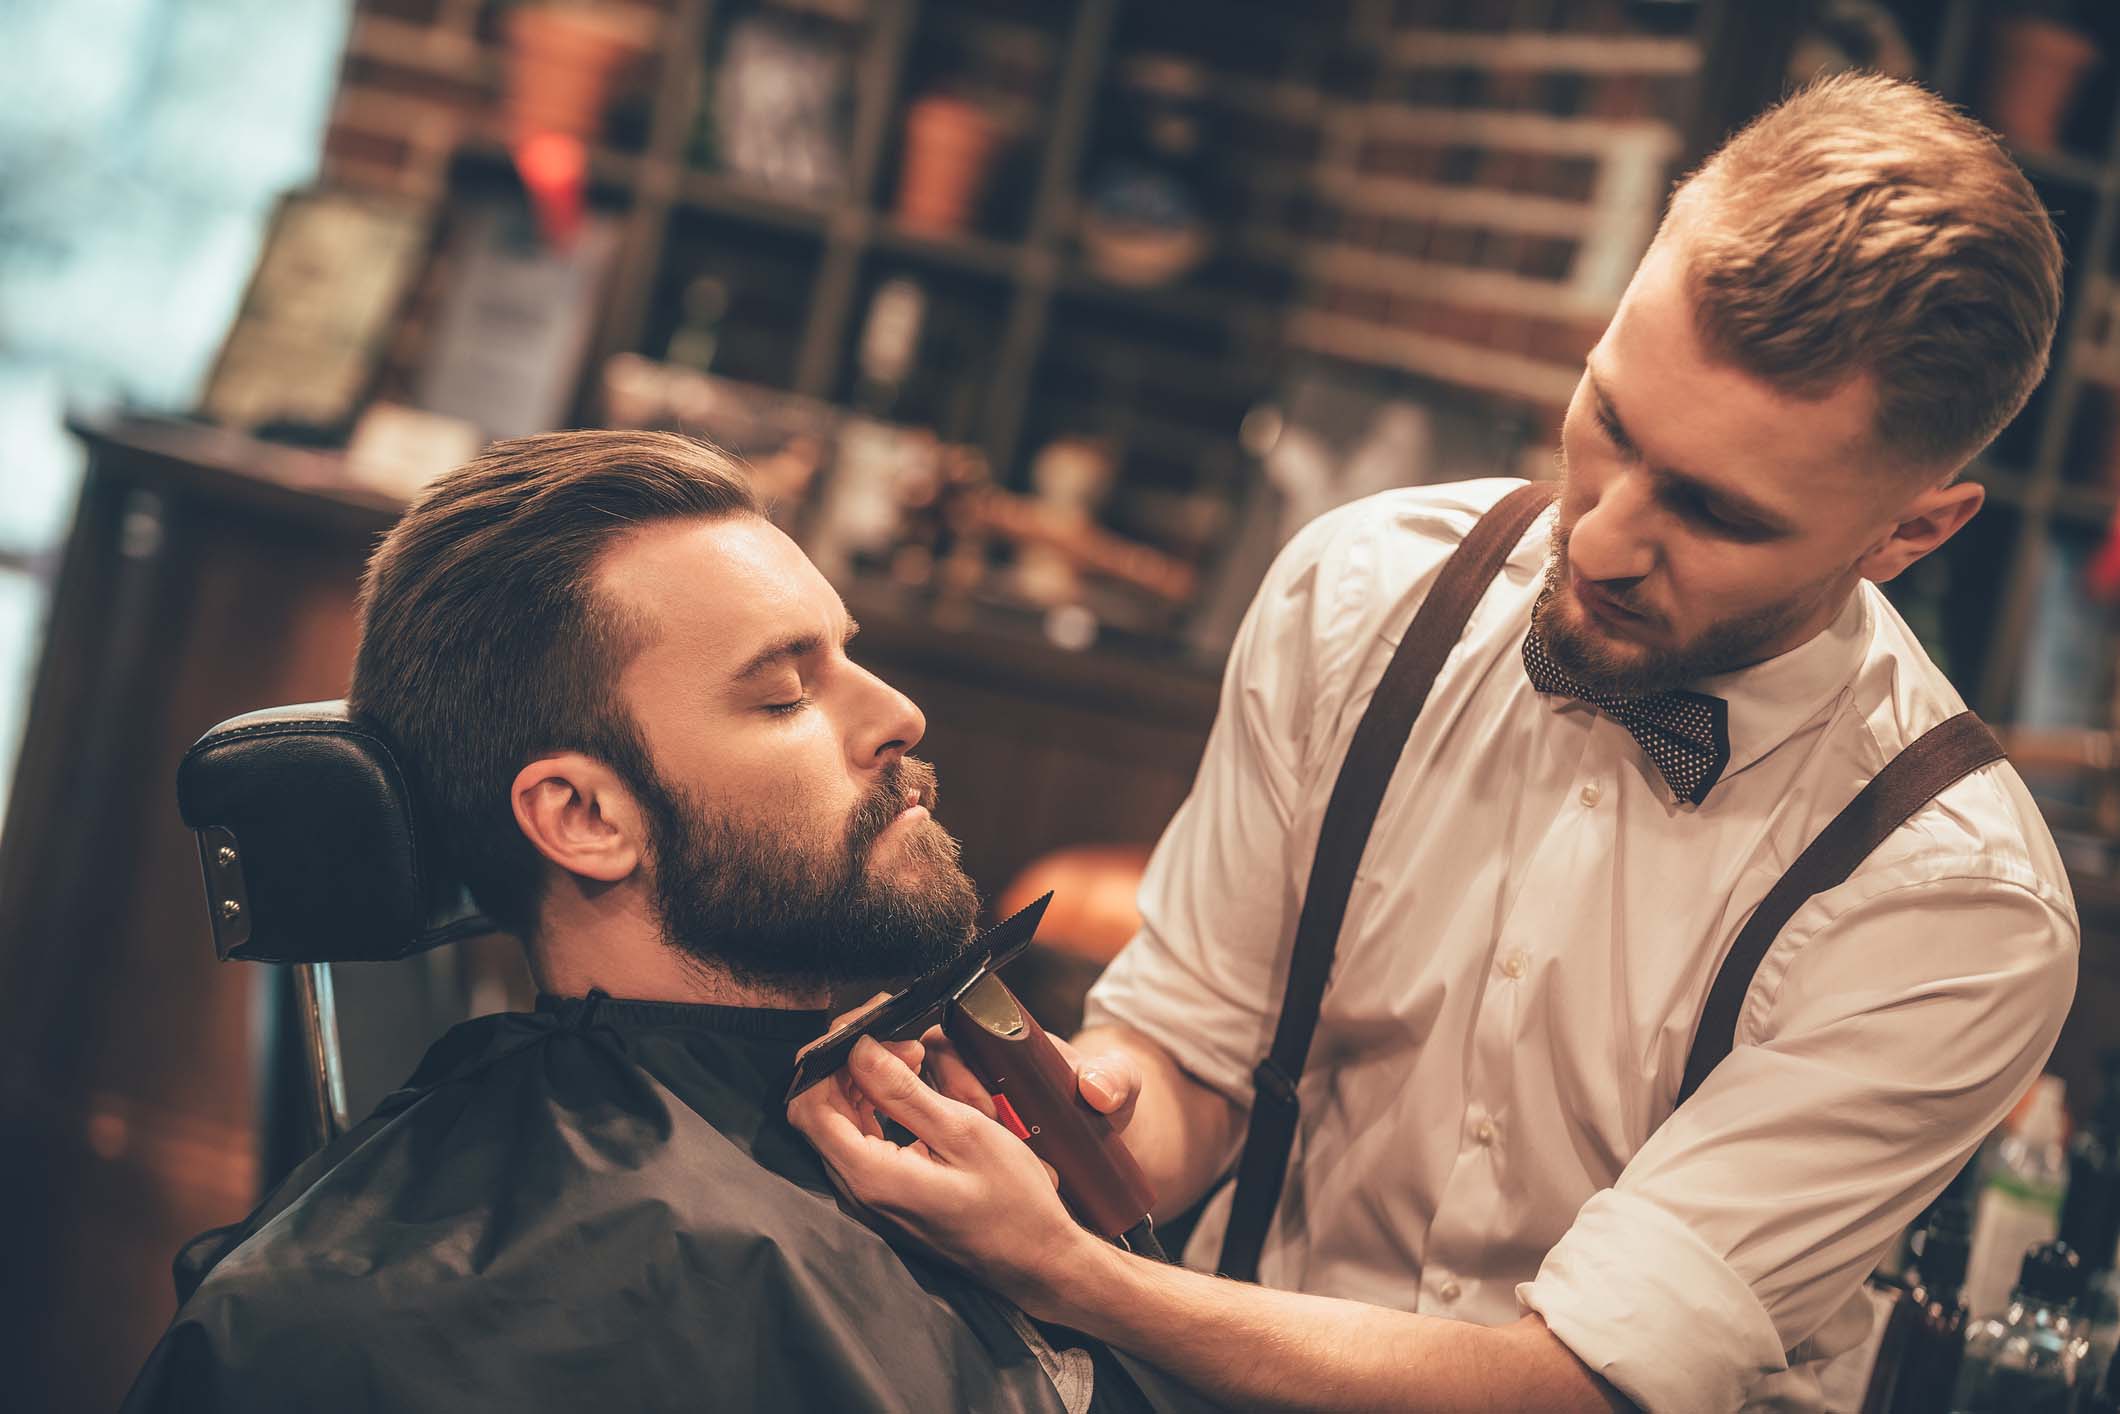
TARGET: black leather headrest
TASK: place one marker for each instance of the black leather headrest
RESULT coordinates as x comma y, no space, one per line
313,847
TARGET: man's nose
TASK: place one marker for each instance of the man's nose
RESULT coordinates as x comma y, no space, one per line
889,725
1610,538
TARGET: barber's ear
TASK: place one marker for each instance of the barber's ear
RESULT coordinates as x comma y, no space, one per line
1925,523
577,814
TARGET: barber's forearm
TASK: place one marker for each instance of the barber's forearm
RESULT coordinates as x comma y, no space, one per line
1183,1133
1262,1349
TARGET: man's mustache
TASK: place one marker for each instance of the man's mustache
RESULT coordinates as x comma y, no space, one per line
907,776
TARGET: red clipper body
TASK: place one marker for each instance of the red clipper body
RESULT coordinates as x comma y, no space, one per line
1035,1093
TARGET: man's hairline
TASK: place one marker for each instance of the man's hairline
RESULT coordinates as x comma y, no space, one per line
1875,453
1908,471
633,620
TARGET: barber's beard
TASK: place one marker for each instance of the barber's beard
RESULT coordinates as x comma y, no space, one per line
771,909
1629,668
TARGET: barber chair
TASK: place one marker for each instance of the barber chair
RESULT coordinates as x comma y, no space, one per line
315,852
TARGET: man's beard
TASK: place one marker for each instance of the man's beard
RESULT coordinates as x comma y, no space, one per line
1633,669
744,898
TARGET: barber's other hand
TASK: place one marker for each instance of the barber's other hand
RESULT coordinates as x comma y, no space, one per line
968,1188
1110,1081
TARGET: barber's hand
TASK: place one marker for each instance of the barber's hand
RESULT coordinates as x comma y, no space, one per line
968,1188
1109,1081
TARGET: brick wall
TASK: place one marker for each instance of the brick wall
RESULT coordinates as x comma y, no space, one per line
1478,216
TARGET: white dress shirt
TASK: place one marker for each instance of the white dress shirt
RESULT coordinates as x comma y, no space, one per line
1487,1122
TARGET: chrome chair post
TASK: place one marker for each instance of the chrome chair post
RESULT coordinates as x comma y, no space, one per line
320,1029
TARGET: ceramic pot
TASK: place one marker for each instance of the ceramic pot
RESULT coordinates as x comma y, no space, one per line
561,60
2039,64
949,149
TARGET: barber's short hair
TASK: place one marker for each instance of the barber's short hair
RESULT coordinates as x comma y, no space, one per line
1865,226
484,641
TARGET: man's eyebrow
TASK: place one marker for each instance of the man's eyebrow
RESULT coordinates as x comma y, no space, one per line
1609,416
789,649
1733,504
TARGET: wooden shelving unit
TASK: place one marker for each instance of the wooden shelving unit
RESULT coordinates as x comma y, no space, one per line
1437,198
1318,256
854,227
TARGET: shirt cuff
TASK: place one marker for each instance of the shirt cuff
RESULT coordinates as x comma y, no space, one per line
1645,1303
1126,996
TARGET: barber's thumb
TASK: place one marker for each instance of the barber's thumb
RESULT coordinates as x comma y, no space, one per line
1109,1083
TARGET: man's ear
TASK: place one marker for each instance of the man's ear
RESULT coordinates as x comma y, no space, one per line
1922,524
577,814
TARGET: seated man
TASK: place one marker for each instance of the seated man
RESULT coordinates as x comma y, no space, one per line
626,696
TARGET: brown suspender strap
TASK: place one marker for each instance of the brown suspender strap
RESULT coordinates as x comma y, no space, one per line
1939,757
1372,756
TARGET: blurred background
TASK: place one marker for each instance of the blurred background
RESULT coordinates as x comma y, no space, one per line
1042,325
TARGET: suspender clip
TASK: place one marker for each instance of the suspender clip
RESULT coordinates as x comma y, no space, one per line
1270,1082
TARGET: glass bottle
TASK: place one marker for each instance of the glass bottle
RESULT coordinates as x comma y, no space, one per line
2027,1358
2020,1196
2090,1216
1934,1319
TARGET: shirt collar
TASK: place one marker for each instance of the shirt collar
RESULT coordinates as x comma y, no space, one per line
1770,700
771,1023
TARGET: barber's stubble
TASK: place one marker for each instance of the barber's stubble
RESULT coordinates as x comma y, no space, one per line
770,908
1639,669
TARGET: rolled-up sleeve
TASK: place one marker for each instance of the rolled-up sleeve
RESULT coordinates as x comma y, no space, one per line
1896,1022
1203,977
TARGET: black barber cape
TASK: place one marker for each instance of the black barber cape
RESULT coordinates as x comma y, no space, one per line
600,1206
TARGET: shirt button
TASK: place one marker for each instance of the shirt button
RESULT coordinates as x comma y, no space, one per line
1484,1132
1513,964
1450,1291
1592,793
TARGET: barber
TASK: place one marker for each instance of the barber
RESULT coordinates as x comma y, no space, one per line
1620,1084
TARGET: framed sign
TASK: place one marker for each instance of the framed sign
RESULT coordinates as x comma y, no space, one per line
333,272
516,320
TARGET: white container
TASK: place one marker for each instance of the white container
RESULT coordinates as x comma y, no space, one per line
2020,1202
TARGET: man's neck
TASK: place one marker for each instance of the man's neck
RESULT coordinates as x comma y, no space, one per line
614,945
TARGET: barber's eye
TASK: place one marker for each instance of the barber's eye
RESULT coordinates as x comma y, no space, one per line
1608,425
1694,508
1701,513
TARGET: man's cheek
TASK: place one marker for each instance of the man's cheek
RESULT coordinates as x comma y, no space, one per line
788,813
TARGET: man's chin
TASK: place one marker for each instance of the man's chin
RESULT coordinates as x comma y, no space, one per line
911,838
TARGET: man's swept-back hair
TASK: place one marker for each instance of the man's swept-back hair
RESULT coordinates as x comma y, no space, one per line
484,641
1865,226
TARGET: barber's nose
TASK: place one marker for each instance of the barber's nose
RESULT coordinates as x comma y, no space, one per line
1610,538
891,725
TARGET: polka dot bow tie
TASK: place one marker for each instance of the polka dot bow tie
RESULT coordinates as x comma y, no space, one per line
1687,734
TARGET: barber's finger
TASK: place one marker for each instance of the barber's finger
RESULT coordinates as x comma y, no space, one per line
859,1012
843,1020
839,1094
833,1121
912,1053
947,1072
945,1125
